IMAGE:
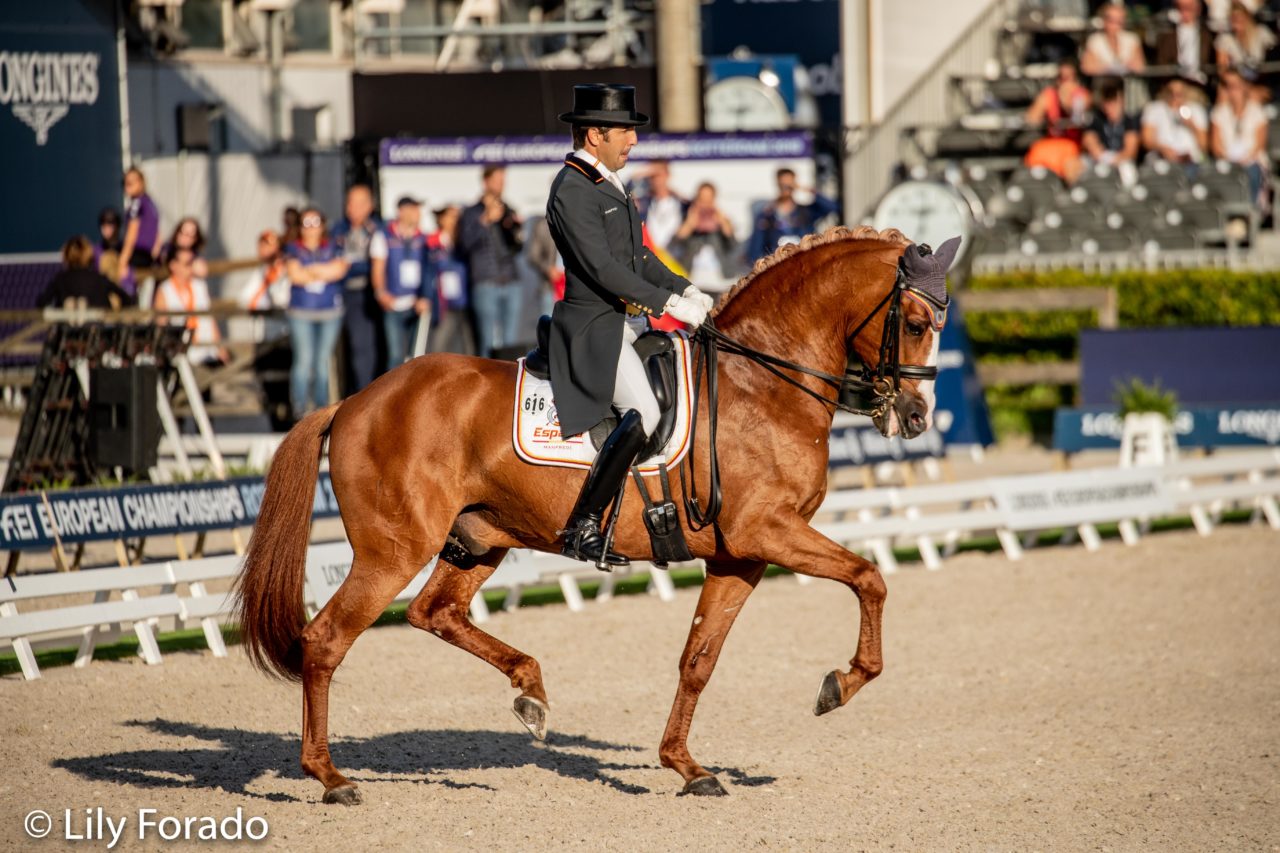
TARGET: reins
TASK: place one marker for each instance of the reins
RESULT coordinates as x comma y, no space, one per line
884,384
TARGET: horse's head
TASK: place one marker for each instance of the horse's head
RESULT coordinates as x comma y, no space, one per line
898,341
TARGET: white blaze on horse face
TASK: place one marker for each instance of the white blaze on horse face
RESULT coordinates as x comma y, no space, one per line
926,387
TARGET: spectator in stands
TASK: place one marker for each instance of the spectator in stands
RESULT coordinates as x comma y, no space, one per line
106,252
1176,127
1186,41
1220,13
79,284
661,209
1061,108
184,290
269,286
452,325
541,252
401,278
1114,50
187,235
362,316
1239,132
292,220
142,226
705,244
785,220
1113,137
490,237
316,269
1246,45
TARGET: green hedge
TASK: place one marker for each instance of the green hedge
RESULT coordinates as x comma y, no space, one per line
1167,298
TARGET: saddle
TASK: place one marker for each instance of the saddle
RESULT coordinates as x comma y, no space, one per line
658,355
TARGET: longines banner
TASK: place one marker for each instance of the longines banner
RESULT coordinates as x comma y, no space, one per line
36,521
59,121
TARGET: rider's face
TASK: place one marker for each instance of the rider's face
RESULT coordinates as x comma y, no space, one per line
614,145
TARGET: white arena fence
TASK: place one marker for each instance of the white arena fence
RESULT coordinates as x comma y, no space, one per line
933,518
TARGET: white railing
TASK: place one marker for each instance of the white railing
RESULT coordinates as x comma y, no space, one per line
875,150
934,518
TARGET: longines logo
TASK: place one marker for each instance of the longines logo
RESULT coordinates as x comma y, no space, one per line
42,87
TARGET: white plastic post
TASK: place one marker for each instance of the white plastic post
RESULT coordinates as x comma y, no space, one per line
22,647
660,583
572,595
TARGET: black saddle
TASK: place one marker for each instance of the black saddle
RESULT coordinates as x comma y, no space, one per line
657,352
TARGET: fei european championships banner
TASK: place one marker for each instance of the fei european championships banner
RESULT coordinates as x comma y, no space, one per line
35,521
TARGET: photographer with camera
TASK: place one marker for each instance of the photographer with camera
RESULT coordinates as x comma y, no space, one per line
490,237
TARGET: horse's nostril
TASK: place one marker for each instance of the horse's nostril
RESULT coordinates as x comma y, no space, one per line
917,421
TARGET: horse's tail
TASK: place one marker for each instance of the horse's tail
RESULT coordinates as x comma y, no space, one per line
268,604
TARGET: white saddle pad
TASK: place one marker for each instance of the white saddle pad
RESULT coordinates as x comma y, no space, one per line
535,431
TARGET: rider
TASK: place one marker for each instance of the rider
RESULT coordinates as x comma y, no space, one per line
612,285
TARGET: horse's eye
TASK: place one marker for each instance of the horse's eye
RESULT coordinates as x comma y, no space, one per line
915,330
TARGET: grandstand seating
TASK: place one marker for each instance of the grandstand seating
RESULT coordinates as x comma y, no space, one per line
980,145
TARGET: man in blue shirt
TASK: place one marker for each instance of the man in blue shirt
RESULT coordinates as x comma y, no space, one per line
784,220
401,278
362,316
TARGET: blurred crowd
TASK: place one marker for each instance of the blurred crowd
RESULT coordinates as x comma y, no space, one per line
383,291
1210,105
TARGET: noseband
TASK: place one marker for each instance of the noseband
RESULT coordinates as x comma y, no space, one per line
884,382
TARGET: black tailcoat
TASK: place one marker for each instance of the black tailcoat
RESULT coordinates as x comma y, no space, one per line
607,270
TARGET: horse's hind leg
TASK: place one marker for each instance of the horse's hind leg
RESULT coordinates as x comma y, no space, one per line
370,586
726,589
442,607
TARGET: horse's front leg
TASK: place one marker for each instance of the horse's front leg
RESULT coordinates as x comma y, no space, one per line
726,589
802,549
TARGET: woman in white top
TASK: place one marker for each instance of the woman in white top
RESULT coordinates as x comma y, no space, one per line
1114,50
183,291
1175,127
1240,131
1246,45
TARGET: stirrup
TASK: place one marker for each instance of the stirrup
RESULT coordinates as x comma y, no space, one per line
585,542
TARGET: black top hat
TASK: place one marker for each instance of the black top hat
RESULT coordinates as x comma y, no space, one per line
605,105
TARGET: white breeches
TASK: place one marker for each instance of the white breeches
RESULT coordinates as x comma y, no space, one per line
631,387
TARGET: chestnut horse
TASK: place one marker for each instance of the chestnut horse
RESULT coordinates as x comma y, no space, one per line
425,452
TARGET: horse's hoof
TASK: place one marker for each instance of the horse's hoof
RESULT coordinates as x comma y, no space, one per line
533,714
704,786
344,795
829,695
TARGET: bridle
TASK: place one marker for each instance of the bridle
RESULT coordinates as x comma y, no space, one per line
883,384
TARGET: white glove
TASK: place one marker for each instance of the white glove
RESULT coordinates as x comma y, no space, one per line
692,292
686,310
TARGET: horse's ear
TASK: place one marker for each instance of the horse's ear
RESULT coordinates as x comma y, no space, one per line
946,253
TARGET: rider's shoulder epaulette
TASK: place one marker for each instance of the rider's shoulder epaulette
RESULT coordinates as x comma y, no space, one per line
591,172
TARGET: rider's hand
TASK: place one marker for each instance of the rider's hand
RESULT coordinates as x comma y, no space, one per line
707,301
688,311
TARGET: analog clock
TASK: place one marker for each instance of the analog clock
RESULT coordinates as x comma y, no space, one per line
927,212
744,103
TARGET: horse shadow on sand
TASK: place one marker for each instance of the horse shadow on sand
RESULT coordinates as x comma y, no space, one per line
238,758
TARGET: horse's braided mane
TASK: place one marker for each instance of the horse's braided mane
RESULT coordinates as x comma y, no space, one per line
836,234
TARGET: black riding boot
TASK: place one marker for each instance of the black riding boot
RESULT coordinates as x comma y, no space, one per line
582,537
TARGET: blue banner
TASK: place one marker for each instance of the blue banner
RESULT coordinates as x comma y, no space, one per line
33,520
514,150
1203,367
59,121
1211,426
855,441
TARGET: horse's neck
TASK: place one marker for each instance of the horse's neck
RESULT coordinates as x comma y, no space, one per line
802,309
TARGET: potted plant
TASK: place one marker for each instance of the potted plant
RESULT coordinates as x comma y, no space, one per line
1148,411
